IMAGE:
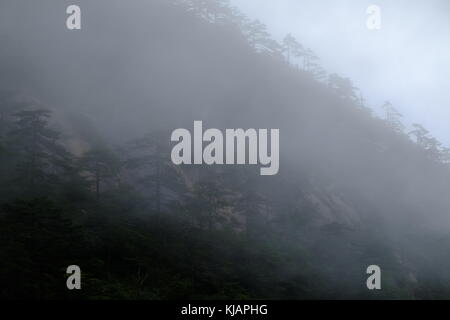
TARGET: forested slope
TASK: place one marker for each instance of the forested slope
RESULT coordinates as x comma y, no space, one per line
86,176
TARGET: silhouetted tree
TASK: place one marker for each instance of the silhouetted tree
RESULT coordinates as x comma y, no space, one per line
343,87
250,203
311,64
39,155
258,37
292,48
213,11
150,157
9,105
393,117
310,59
207,198
100,164
423,138
445,155
219,10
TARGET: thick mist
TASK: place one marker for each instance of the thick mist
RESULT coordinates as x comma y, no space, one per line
350,188
406,61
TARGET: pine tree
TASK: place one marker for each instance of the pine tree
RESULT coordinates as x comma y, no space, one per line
39,156
9,104
311,64
445,155
292,48
393,117
101,164
209,197
259,38
150,158
250,203
423,138
343,87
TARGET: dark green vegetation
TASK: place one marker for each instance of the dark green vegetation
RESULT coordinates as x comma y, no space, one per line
88,185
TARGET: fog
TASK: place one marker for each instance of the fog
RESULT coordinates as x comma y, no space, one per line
351,188
406,62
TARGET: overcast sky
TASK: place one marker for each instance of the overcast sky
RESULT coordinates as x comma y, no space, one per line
406,62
